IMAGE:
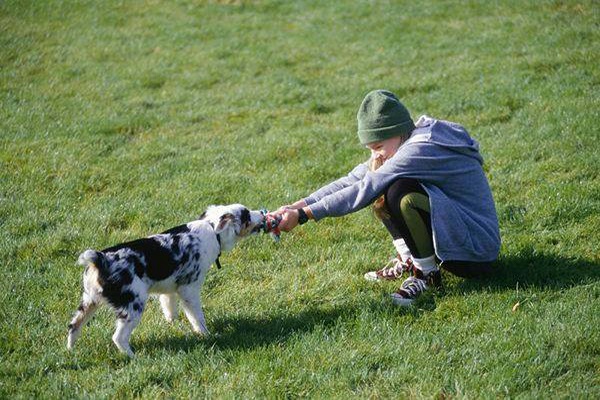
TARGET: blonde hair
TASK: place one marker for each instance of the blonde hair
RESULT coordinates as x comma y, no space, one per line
379,208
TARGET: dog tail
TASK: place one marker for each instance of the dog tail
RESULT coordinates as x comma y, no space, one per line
92,258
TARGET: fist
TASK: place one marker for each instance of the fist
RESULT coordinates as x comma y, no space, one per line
289,219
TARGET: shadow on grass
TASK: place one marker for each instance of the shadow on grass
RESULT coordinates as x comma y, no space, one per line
253,331
244,332
533,270
247,332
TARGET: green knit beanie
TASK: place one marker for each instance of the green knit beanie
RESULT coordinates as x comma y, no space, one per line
382,116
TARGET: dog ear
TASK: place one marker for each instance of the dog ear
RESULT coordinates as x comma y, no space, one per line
226,219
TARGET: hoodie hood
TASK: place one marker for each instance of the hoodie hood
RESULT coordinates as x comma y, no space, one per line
446,134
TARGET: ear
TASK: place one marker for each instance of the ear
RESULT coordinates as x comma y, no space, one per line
226,219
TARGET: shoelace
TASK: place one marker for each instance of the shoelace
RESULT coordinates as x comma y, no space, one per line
394,268
413,287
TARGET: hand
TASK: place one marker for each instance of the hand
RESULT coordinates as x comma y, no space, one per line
289,220
298,204
282,209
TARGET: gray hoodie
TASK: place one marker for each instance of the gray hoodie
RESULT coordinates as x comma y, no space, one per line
446,161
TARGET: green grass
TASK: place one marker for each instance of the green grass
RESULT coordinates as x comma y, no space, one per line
119,119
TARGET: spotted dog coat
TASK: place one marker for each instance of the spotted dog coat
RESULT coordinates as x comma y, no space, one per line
174,262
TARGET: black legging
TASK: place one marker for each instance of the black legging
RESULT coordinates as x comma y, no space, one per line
410,219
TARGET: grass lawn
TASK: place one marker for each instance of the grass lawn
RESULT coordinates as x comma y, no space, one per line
120,119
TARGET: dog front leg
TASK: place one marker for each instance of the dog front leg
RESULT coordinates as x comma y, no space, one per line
190,296
168,303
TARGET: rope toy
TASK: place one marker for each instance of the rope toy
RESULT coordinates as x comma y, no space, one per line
270,224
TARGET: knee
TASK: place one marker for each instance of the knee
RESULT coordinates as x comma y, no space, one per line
406,204
403,185
400,188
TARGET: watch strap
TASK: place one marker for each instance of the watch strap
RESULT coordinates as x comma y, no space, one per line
302,217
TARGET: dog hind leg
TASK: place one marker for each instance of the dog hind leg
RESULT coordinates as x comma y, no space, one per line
168,303
126,323
192,306
84,312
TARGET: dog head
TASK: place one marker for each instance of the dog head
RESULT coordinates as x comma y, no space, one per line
232,223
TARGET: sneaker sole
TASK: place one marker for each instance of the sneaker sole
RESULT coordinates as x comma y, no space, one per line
401,301
372,277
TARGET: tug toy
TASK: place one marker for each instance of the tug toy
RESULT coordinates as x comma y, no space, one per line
270,224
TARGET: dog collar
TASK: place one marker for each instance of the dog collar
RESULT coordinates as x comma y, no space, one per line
217,260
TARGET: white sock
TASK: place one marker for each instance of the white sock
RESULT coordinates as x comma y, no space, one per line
426,265
402,249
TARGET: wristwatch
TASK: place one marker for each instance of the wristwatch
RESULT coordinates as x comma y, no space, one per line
302,217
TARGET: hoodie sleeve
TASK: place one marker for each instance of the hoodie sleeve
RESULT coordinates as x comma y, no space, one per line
354,176
421,160
356,195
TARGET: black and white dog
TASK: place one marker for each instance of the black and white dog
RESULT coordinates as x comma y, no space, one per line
173,262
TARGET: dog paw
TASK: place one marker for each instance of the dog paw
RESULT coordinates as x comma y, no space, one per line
202,332
127,352
70,342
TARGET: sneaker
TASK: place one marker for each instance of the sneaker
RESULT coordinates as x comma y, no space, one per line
410,289
414,285
393,270
433,279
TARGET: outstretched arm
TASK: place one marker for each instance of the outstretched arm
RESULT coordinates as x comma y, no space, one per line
290,218
354,176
